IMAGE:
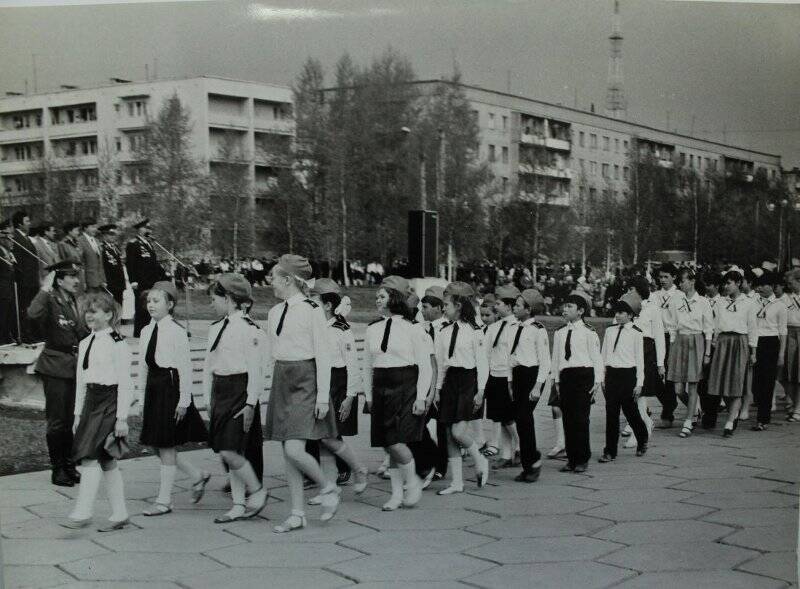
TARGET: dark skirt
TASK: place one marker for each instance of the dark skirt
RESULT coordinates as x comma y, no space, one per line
553,400
653,384
394,391
791,366
98,419
498,400
686,358
228,397
292,401
457,398
348,427
728,374
161,396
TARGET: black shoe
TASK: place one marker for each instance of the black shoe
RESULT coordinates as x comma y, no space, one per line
606,457
73,473
641,450
438,476
567,468
665,423
343,478
579,468
61,478
727,433
528,476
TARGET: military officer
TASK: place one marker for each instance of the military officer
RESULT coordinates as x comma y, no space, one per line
55,309
112,261
70,249
143,271
27,271
8,307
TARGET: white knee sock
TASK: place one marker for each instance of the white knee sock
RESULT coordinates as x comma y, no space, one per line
455,466
559,425
478,458
248,477
237,487
87,492
115,490
409,472
397,490
506,450
167,480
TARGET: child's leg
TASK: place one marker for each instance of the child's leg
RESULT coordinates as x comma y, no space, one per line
115,489
344,453
189,469
87,490
558,424
735,406
168,470
459,432
612,420
294,477
401,457
633,414
691,406
454,467
396,479
295,451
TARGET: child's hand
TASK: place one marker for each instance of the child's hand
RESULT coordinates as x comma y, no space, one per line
121,428
320,411
419,407
247,416
344,410
180,413
75,424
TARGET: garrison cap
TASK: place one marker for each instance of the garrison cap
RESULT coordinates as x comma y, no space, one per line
167,287
459,289
235,285
397,283
630,302
533,298
579,300
296,266
436,292
507,291
489,299
326,286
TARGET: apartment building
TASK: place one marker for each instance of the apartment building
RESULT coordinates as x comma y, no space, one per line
527,140
78,129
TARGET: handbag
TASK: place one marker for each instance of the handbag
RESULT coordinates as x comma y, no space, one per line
116,447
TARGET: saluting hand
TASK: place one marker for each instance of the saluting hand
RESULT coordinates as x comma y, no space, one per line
320,411
47,282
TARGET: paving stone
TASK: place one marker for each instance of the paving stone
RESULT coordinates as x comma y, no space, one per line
174,539
13,515
627,496
140,566
776,565
649,481
716,471
180,518
700,580
431,501
29,480
740,485
416,542
620,512
540,526
211,500
102,509
37,528
288,554
757,517
550,576
532,550
17,577
513,490
536,506
28,497
777,538
51,552
259,578
635,533
412,585
410,567
630,465
335,531
734,500
120,585
419,519
684,556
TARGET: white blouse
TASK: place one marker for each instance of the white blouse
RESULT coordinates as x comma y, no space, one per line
498,354
467,353
109,364
533,348
343,352
584,347
172,351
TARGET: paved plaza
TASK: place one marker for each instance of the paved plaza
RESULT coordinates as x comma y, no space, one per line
703,512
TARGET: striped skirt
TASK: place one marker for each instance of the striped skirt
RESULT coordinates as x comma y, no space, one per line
791,366
729,366
686,358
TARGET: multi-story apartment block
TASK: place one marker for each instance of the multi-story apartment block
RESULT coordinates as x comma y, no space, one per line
79,129
527,140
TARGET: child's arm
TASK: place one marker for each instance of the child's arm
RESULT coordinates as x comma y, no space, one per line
347,344
184,365
122,366
144,340
322,356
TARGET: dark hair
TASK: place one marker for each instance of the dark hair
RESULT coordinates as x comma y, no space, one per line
509,301
217,289
104,302
433,301
467,312
397,303
579,302
668,268
767,279
733,276
686,273
713,278
16,218
333,299
641,286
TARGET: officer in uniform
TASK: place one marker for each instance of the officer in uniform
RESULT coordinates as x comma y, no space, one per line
55,309
70,249
8,306
143,271
27,272
112,261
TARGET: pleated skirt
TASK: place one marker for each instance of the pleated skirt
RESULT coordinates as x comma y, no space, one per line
292,401
499,407
458,394
728,373
653,384
394,391
348,427
686,358
98,419
161,396
791,365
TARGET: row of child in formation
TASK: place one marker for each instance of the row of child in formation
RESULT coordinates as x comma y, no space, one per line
464,356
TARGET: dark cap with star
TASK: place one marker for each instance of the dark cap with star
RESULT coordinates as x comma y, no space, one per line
107,228
65,268
143,223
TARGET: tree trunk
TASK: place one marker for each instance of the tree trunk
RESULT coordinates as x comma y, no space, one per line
343,204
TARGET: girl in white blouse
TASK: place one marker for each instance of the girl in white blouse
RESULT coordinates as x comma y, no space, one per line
169,416
102,399
463,371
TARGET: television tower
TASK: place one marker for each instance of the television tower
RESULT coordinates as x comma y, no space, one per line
616,105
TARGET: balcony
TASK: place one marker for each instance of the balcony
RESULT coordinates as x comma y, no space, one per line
274,126
135,122
666,164
556,198
20,135
19,199
73,129
550,171
548,142
272,160
236,122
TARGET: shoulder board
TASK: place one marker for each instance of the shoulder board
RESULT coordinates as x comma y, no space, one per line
218,321
343,325
477,327
175,321
637,329
312,303
537,324
413,321
589,327
378,320
251,322
117,337
445,326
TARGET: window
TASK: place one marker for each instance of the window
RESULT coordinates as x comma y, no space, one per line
505,155
130,109
582,139
118,143
70,116
707,163
683,159
605,170
593,168
616,145
505,123
616,172
593,193
691,161
492,155
626,173
505,184
140,108
593,141
605,143
491,120
71,148
714,165
118,177
625,146
116,109
475,116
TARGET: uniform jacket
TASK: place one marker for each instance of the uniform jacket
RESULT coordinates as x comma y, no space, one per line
142,264
57,315
6,275
114,270
93,271
27,265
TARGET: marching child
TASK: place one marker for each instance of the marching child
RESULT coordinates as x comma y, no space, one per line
623,356
577,370
433,312
790,375
299,406
103,397
463,370
771,349
169,416
233,383
529,361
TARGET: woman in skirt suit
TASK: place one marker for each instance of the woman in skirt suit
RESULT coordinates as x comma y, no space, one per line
299,405
345,379
103,397
735,342
463,370
169,416
233,383
397,377
690,332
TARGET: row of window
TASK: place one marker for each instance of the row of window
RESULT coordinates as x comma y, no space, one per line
25,184
605,170
606,142
70,115
135,108
493,124
493,154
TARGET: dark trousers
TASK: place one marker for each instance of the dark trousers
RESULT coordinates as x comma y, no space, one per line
574,393
427,453
313,448
668,398
59,408
524,379
709,404
764,374
254,451
8,320
30,329
140,315
620,383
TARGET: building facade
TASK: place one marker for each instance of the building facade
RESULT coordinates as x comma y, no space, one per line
80,130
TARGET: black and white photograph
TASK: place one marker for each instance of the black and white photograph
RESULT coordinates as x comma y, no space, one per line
399,294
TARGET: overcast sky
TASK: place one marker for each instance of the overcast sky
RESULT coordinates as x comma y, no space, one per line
732,66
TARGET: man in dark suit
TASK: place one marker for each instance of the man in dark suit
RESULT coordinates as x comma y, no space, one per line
27,271
92,257
112,261
143,271
8,306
